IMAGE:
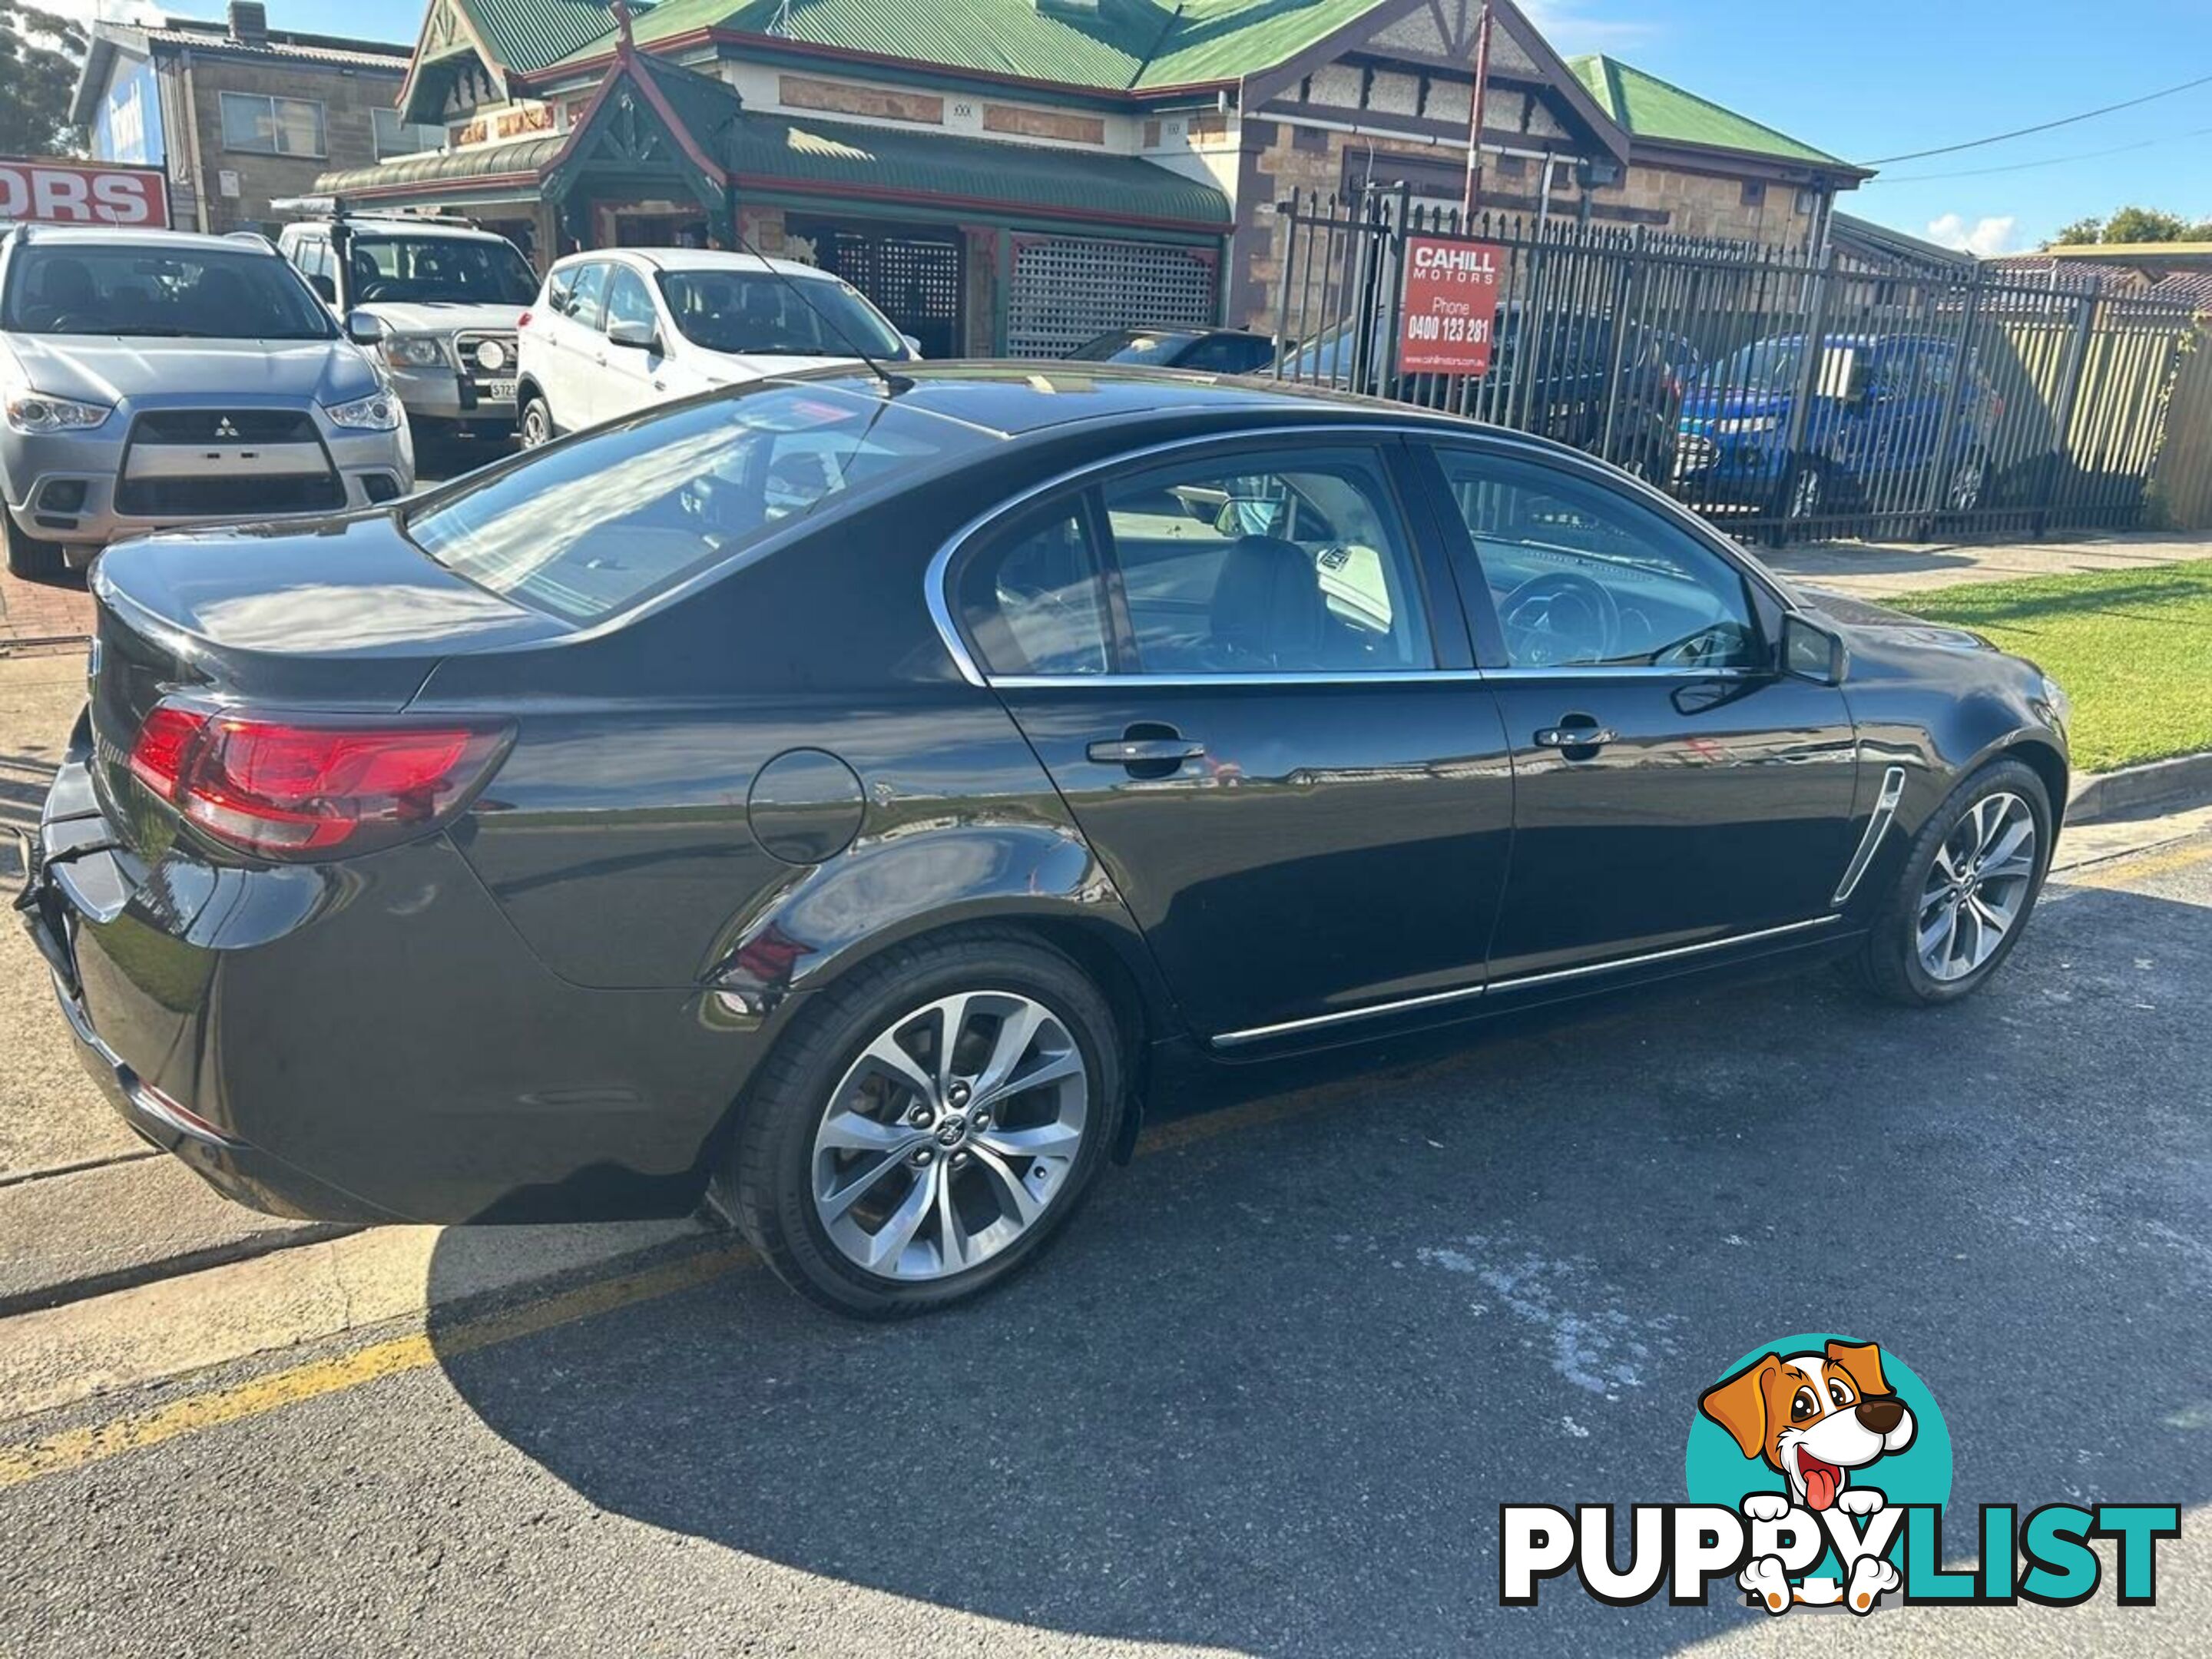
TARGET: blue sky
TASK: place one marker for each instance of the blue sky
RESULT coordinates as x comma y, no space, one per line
1882,77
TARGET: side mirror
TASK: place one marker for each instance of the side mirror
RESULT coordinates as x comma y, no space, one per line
325,289
1810,652
913,347
638,337
362,329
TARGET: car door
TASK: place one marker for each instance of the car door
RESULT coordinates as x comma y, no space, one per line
1672,788
629,377
571,363
1247,675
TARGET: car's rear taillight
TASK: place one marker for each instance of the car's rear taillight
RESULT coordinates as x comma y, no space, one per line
311,788
523,321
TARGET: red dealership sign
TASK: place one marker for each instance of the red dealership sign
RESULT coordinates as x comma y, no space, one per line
46,192
1451,303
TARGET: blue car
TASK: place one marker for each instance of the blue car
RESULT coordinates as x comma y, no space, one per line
1874,435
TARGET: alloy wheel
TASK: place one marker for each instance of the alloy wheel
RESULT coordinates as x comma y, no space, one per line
951,1135
1805,495
1978,887
534,425
1965,493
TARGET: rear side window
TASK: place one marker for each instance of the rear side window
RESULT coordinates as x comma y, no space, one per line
1033,601
583,304
627,300
592,527
558,289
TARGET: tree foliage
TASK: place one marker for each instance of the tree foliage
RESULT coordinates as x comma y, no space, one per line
40,56
2133,224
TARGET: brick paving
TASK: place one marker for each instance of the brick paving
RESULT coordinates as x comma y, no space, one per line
58,610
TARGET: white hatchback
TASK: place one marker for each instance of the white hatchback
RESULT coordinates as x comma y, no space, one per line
620,329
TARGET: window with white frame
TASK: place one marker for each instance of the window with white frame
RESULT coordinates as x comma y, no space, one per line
271,126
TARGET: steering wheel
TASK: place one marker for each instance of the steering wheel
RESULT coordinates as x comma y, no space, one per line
1557,619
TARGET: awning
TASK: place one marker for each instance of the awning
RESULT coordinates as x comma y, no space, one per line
437,174
781,156
792,156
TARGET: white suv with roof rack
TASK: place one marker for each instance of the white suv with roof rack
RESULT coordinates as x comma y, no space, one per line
618,331
437,300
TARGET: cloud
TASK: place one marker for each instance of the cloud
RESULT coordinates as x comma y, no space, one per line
138,12
1987,237
1568,25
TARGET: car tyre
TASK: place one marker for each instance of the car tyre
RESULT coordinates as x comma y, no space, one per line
28,556
1963,833
535,427
776,1182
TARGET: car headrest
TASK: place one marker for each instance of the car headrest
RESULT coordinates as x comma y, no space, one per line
1269,603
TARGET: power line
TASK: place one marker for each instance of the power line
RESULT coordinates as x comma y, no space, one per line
2048,161
2043,126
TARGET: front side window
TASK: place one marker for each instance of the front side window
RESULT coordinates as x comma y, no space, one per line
271,126
438,270
1260,561
1033,601
589,285
628,301
752,313
593,526
1582,576
79,288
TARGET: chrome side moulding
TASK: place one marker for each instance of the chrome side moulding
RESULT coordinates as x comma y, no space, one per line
1519,981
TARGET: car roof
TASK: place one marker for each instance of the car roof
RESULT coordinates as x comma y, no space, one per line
697,259
396,222
177,242
1014,399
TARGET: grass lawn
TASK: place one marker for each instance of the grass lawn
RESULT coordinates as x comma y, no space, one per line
2133,647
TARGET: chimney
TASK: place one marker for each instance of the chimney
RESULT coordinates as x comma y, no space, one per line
249,23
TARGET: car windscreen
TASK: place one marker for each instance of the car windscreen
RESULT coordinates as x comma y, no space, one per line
1133,345
598,524
1770,366
755,314
458,271
137,288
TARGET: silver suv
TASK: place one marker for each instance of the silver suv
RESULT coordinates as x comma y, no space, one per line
437,302
149,378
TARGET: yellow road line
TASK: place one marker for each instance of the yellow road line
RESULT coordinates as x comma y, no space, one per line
74,1448
2142,866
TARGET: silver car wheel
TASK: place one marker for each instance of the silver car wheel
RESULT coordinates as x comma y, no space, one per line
536,425
1967,484
951,1135
1805,495
1978,887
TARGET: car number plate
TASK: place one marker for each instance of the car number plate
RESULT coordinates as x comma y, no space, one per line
499,392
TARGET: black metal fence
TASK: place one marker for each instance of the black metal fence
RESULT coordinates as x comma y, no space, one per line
1781,394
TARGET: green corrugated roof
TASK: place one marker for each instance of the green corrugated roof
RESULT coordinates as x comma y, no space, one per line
1121,43
445,166
780,152
528,34
1652,108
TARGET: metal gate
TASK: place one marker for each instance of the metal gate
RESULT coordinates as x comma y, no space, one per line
913,276
1779,393
1066,290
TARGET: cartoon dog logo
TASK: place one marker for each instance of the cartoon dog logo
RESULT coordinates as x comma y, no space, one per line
1814,1418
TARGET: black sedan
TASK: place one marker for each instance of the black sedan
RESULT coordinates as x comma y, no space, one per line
1201,351
846,800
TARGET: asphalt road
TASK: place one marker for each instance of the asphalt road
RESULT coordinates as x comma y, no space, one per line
1267,1395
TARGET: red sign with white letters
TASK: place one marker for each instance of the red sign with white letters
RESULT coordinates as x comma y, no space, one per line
1451,306
43,191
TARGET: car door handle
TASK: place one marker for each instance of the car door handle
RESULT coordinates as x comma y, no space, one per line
1143,752
1576,737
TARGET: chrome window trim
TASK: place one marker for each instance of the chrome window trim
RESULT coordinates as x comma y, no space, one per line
1884,811
1519,981
1382,676
940,565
